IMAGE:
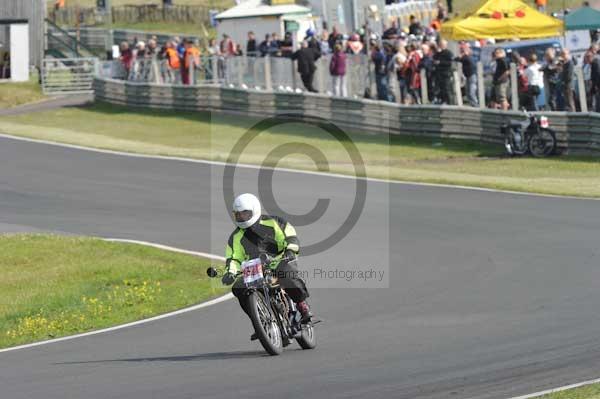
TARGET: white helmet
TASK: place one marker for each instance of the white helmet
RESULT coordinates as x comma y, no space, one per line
246,210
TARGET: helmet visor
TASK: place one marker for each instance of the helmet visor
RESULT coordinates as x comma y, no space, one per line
242,216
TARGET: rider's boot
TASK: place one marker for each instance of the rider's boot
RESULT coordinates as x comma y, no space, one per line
304,311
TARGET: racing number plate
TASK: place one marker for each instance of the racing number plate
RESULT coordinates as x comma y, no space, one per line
252,271
544,122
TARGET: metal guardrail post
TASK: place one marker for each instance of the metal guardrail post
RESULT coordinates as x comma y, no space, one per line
395,87
242,62
268,82
294,78
214,60
480,87
191,74
321,75
372,80
457,91
424,88
581,89
514,97
155,69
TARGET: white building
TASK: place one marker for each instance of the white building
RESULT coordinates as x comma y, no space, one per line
14,49
261,18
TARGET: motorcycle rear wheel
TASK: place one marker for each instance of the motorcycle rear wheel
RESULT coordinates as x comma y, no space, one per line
542,144
265,324
307,340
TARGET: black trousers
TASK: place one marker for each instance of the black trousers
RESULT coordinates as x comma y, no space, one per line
288,277
445,86
307,79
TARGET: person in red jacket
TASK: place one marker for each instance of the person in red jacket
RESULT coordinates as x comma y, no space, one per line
126,57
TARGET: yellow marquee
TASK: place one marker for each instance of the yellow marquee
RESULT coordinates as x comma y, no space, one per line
502,19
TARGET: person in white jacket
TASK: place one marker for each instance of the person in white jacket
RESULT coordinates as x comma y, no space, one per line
535,77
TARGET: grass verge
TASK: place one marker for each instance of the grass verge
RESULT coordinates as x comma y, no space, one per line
13,94
587,392
52,286
202,136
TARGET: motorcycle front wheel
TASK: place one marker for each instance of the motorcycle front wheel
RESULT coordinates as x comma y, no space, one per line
265,324
542,143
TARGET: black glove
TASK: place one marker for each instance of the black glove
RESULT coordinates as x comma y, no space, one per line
228,278
266,259
290,255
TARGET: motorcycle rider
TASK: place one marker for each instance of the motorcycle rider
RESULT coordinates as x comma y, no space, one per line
256,234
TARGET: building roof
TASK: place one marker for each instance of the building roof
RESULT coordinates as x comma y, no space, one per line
256,8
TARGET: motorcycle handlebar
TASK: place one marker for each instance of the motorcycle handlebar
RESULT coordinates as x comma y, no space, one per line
266,259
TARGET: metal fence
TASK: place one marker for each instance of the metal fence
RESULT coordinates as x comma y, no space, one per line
69,75
279,74
262,73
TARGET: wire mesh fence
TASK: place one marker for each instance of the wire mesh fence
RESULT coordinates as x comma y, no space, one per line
245,72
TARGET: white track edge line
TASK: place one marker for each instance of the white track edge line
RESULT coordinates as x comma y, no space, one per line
288,170
559,389
143,321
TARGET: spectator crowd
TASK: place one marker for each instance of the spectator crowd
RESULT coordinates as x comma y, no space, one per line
408,63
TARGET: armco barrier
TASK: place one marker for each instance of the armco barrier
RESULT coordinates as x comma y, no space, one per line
577,133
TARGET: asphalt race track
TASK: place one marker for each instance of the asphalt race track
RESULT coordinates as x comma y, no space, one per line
489,295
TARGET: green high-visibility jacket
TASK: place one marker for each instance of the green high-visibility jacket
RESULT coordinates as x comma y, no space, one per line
271,235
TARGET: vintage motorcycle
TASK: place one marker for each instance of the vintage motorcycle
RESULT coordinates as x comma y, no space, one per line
274,315
531,136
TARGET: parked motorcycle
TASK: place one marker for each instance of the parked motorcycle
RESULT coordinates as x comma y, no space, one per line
274,315
532,136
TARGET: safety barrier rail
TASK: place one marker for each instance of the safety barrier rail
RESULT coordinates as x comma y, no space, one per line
576,132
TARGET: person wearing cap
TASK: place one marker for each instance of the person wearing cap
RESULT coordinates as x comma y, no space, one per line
312,41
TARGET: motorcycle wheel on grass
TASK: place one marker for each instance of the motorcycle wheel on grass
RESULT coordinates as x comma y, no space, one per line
542,143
